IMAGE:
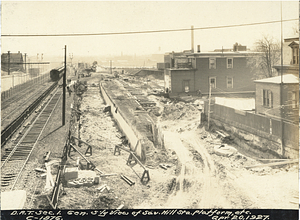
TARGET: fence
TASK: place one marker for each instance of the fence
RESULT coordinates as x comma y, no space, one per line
259,125
12,84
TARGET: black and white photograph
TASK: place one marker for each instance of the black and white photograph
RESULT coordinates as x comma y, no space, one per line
149,109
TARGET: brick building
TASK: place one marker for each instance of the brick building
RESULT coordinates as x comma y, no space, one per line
267,97
15,61
226,72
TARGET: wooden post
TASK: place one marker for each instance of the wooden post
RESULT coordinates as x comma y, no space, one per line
8,64
64,90
209,98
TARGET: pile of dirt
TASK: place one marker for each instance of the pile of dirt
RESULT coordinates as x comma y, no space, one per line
179,110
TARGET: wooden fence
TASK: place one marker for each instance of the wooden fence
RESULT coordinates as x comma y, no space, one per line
260,125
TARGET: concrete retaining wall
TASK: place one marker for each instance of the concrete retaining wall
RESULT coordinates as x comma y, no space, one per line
133,137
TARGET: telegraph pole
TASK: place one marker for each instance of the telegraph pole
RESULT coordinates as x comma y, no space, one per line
281,84
64,90
209,102
192,39
25,63
8,64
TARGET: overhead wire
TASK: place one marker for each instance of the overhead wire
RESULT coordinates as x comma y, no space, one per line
145,32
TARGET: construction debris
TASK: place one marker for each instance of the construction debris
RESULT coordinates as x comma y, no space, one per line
46,156
110,174
40,170
83,182
49,178
127,180
120,206
274,163
224,150
163,166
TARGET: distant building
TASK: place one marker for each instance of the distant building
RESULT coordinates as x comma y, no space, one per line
15,61
226,72
267,97
290,57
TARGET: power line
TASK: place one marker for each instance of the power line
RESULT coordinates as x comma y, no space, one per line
144,32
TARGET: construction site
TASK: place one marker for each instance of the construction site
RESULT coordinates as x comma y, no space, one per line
130,146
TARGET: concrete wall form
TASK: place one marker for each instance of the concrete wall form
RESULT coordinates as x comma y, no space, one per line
133,137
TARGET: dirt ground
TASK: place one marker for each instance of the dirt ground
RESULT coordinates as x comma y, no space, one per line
194,176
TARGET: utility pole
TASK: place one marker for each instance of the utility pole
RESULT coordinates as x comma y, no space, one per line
37,58
192,39
42,56
8,64
64,90
281,84
209,101
25,63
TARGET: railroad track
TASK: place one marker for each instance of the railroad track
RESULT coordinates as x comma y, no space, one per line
15,98
9,130
15,158
8,116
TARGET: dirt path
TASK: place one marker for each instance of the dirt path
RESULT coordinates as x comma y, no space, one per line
181,196
222,182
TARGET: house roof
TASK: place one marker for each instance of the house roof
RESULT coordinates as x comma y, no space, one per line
296,42
291,39
224,54
287,79
13,57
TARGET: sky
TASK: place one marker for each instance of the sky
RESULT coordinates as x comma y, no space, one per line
88,17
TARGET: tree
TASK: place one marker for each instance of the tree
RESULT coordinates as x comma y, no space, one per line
296,28
268,56
95,63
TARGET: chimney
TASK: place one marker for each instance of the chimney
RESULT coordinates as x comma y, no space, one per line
198,48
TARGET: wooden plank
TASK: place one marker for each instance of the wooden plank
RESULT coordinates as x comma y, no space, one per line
274,164
82,141
221,134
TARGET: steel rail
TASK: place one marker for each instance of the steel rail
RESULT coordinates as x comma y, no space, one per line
18,176
25,134
9,130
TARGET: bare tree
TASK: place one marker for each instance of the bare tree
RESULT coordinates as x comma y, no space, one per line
296,28
268,56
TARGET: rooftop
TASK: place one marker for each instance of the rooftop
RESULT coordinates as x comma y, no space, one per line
287,79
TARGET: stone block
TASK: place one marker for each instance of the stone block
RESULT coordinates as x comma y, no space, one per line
86,174
71,173
79,182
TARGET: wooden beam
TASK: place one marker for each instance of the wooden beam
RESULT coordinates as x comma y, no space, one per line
274,164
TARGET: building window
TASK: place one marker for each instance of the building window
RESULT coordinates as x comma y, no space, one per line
267,98
213,82
212,63
293,99
186,85
295,55
229,63
229,82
